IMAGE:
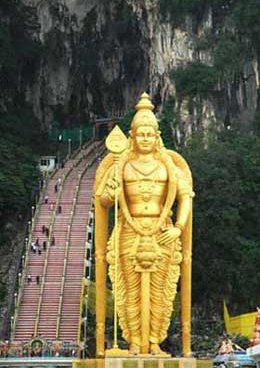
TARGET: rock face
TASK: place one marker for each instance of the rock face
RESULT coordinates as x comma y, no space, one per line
10,259
100,55
95,61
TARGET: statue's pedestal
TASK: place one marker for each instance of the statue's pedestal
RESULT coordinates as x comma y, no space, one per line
150,362
142,362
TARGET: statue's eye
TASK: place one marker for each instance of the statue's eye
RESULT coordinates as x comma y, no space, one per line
142,135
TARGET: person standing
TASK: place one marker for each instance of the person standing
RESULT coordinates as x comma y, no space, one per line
44,245
38,280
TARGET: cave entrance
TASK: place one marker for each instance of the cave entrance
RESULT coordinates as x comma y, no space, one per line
103,126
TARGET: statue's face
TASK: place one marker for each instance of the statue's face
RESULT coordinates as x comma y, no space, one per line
145,139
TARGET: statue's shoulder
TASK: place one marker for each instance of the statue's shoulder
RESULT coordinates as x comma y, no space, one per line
181,164
128,173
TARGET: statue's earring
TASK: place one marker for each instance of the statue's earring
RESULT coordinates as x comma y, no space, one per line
130,144
130,140
159,143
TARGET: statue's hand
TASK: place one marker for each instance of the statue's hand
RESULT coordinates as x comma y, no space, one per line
112,186
169,235
110,257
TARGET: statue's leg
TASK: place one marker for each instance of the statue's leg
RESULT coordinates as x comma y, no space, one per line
159,306
132,283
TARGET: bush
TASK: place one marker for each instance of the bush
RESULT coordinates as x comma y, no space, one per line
226,173
194,79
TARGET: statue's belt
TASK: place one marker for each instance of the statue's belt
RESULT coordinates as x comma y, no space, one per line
145,216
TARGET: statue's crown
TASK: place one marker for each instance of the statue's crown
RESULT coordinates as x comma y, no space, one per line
144,114
144,103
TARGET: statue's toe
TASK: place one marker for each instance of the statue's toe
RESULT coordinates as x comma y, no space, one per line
155,350
134,349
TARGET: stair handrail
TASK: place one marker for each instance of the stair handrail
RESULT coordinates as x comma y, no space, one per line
67,158
75,196
83,147
25,258
88,148
83,282
78,149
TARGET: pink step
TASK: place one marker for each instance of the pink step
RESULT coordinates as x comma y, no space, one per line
75,259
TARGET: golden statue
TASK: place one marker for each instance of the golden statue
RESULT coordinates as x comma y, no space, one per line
146,251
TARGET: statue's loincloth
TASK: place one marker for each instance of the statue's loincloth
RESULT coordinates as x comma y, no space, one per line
137,254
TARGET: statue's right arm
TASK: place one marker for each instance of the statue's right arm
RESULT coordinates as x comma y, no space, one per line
107,196
106,199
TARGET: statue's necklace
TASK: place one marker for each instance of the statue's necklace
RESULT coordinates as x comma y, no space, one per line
145,169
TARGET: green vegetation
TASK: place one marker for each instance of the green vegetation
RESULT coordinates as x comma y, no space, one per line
3,291
225,165
176,10
125,123
246,19
20,137
226,170
229,45
19,173
168,121
194,79
19,51
226,264
229,55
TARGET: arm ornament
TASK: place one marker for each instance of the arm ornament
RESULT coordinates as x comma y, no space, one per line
179,226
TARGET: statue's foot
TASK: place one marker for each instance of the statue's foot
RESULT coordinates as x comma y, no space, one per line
134,349
155,350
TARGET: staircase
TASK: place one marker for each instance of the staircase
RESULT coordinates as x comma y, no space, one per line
70,309
50,303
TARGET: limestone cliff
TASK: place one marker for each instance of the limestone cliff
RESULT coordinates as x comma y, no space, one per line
99,55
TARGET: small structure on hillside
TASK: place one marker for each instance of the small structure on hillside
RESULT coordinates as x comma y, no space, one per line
104,125
47,164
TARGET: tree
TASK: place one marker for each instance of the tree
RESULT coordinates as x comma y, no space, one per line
226,172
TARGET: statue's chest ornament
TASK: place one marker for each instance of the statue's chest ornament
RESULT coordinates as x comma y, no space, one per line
147,178
146,189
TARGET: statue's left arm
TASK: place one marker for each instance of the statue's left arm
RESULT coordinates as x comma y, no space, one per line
184,195
183,198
